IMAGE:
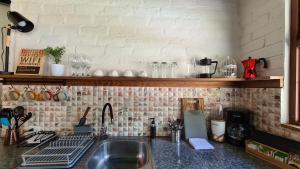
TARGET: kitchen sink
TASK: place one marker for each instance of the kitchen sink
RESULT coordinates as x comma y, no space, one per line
121,154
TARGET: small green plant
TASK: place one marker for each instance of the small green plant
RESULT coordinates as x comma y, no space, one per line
55,53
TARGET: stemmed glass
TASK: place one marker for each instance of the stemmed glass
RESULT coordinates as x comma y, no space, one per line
88,66
83,65
75,64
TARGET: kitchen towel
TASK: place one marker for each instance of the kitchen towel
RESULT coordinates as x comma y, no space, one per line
200,144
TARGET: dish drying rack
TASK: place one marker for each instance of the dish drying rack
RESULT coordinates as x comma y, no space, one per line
62,153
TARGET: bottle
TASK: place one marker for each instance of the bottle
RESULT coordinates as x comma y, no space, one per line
152,128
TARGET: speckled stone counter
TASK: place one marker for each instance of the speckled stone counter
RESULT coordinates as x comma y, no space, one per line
169,155
166,155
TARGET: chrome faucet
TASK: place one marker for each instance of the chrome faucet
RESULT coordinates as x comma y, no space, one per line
103,129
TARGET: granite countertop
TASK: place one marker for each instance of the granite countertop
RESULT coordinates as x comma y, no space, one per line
166,155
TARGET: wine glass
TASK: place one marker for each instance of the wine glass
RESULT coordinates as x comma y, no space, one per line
82,65
75,65
88,66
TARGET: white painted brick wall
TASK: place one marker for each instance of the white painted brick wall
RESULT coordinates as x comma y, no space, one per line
3,22
262,33
119,34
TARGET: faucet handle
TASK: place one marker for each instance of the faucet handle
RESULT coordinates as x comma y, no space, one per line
103,132
112,121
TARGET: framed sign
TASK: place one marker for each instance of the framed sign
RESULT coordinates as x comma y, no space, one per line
31,62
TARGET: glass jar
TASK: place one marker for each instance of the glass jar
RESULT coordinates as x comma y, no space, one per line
155,69
163,69
173,70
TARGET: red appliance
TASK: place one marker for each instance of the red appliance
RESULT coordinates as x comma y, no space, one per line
250,67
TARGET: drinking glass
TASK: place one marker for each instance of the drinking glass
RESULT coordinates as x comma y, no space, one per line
155,68
173,69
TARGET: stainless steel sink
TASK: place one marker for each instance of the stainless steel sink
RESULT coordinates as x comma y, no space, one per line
121,154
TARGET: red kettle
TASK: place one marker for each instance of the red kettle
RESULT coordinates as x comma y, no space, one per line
250,67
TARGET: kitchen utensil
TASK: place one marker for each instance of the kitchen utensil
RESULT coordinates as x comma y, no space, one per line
205,69
36,138
195,125
24,119
83,119
85,129
19,111
26,131
29,94
6,140
45,94
14,94
250,67
6,114
62,95
191,104
176,136
25,137
5,122
18,114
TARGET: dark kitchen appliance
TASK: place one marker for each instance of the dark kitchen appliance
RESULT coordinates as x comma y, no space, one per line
250,67
238,126
205,69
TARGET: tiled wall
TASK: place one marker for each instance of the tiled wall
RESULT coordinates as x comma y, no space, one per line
265,103
133,106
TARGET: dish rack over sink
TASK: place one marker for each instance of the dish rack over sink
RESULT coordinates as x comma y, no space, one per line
61,153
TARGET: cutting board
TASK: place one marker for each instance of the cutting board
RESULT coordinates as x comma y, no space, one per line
195,124
192,104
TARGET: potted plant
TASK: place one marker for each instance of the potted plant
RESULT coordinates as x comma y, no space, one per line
57,69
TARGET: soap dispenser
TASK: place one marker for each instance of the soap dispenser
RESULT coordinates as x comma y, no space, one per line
152,128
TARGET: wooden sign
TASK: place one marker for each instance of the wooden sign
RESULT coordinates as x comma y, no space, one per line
31,62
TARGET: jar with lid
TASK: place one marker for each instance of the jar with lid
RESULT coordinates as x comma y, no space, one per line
155,69
163,69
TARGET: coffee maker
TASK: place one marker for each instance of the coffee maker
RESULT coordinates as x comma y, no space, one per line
238,125
205,68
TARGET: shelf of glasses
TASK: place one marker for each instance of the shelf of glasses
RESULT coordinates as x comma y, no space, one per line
267,82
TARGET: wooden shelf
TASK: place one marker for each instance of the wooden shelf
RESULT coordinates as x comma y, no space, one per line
270,82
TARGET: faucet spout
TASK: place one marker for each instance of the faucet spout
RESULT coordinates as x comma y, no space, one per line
110,112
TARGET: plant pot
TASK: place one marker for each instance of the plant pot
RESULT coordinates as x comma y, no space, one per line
57,70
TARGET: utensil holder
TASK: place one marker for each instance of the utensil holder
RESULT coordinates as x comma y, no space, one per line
11,137
176,136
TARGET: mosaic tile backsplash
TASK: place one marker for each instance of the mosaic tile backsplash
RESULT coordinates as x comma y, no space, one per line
133,106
